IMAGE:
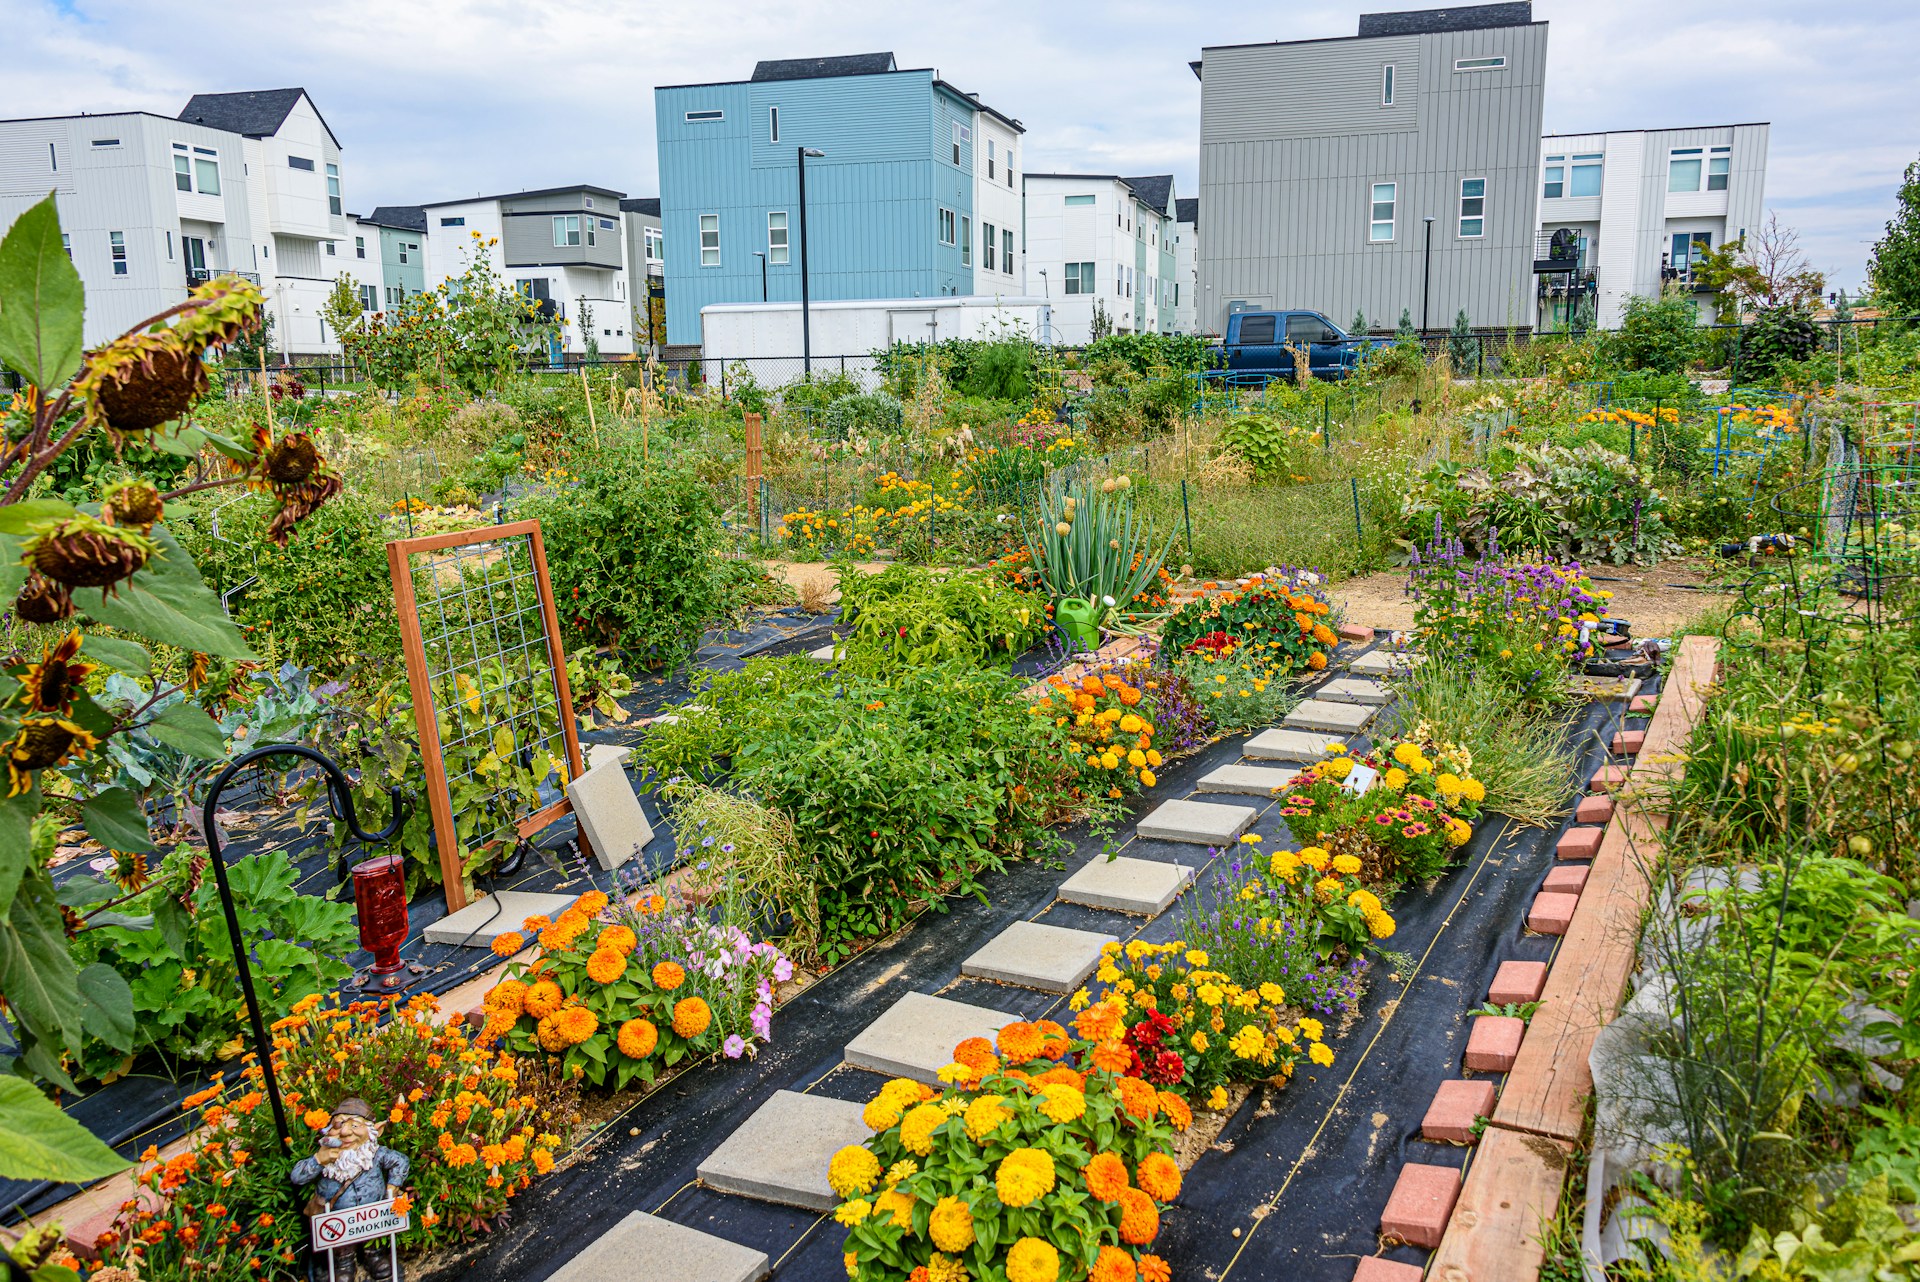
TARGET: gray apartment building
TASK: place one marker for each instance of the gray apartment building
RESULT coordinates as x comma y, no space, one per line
1393,169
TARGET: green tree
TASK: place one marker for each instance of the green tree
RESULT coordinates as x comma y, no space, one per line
1658,334
1359,325
1461,349
342,309
1894,268
1404,330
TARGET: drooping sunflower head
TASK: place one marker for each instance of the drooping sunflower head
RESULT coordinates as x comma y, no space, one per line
84,552
50,685
40,743
131,503
42,600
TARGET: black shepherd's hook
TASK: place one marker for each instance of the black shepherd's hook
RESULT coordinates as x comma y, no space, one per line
343,810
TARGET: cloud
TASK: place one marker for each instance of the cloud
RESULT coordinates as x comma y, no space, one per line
435,99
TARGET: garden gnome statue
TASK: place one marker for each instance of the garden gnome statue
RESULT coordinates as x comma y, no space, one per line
353,1170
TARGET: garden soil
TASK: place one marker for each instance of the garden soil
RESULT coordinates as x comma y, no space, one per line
1660,599
1293,1185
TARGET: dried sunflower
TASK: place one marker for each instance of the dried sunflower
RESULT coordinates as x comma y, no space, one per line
84,552
39,743
50,685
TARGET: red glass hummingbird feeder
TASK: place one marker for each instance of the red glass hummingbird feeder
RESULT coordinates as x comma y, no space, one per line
380,896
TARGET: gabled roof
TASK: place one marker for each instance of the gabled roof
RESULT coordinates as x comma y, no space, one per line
1153,190
648,205
1187,210
404,217
252,113
849,64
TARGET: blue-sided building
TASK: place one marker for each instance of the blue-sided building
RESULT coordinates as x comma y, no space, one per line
917,194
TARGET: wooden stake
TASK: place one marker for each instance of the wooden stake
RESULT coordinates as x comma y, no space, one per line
592,425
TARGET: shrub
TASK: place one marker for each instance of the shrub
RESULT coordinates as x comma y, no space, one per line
1778,336
906,616
1658,334
861,414
630,549
1273,446
1146,353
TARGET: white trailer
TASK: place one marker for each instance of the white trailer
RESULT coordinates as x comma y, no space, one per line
766,337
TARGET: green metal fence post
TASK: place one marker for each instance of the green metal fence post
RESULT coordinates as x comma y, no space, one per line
1187,512
1326,425
1359,532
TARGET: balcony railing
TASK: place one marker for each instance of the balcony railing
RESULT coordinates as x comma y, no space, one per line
1564,250
201,275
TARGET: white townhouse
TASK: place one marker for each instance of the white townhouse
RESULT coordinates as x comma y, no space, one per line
1102,244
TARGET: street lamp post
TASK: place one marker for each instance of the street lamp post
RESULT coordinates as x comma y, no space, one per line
1426,283
763,274
806,319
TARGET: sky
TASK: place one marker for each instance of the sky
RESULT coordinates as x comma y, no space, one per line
438,99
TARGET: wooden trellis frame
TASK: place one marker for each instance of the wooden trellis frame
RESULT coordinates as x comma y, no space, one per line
448,646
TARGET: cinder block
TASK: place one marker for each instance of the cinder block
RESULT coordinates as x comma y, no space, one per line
1517,982
1568,879
1376,1269
1493,1042
1578,843
1420,1204
1593,810
1552,913
1455,1108
1627,742
1607,779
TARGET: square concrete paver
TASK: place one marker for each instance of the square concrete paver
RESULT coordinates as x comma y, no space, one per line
1337,718
916,1036
1204,823
1493,1042
647,1246
1141,886
1031,954
601,753
1246,781
488,918
1354,690
824,654
1289,745
610,815
1385,663
780,1154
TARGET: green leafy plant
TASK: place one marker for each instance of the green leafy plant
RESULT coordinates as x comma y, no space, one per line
906,616
1086,541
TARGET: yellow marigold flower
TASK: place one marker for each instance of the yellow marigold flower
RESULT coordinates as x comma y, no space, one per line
882,1111
1248,1043
1476,791
1346,865
1033,1260
955,1073
1312,1027
1272,994
1314,857
1147,780
1062,1103
854,1170
1025,1176
951,1225
985,1115
1320,1053
917,1127
1218,1099
1197,958
905,1168
1078,1002
898,1204
1395,778
1365,900
1199,1041
1406,753
1327,887
606,965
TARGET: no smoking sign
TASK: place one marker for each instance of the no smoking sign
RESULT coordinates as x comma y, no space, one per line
356,1224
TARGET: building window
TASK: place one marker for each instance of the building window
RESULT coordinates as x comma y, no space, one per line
777,238
453,222
566,231
66,243
333,190
331,251
106,142
1689,247
1080,278
118,242
709,240
53,159
359,246
1386,85
1478,64
946,227
1473,208
169,246
1683,169
1586,175
651,240
1719,166
1006,250
966,241
962,137
301,163
590,237
988,243
206,175
1380,222
700,117
182,174
990,148
1079,200
407,247
773,124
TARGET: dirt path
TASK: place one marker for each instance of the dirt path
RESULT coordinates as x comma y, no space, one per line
814,579
1645,595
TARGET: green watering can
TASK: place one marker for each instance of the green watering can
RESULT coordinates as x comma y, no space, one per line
1079,622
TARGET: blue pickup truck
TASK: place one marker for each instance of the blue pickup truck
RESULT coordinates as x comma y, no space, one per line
1257,344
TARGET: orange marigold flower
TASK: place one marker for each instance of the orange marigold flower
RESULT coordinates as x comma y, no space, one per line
1159,1177
1155,1269
1316,661
1139,1218
691,1017
316,1118
668,976
1106,1176
591,902
637,1038
542,1161
1061,1075
508,944
544,998
547,1033
576,1024
1176,1110
1020,1042
1113,1265
1054,1046
606,965
619,938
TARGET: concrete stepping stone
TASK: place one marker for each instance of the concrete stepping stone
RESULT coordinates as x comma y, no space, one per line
1354,690
601,753
1288,745
1143,887
662,1251
1518,982
824,654
488,918
609,814
1031,954
781,1153
1456,1106
1420,1204
1494,1042
1246,781
916,1035
1385,663
1203,823
1321,714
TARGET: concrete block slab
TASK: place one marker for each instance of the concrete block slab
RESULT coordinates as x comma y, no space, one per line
1568,879
664,1252
1289,745
1031,954
1552,912
609,813
1593,810
1354,690
1246,781
1420,1204
1385,663
781,1153
1518,982
916,1035
1140,886
1203,823
599,754
1338,718
1578,843
1627,742
488,918
824,654
1456,1105
1493,1043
